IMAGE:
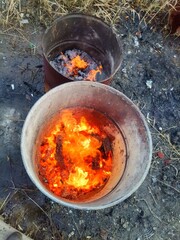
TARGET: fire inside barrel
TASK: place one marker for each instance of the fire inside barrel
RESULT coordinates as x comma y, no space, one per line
77,65
75,154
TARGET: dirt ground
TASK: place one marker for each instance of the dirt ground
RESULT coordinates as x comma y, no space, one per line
150,76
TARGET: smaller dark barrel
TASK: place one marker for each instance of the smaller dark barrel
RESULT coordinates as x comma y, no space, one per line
84,32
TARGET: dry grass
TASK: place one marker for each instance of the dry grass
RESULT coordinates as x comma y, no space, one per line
45,11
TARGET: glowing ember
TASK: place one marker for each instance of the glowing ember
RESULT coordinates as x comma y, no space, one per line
77,65
75,153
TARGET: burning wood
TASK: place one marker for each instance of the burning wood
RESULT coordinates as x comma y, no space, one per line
75,154
77,65
106,146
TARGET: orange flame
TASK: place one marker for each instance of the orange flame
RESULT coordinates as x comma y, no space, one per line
92,74
76,64
72,159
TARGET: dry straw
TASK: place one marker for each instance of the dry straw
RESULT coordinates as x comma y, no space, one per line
45,11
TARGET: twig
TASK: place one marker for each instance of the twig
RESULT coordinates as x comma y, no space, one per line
150,209
37,205
20,36
167,185
50,219
150,191
11,35
167,129
23,189
176,170
35,74
8,198
76,225
174,158
5,201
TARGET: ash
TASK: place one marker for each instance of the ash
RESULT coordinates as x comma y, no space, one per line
62,60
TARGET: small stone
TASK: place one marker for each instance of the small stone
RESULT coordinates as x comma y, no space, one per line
71,234
21,15
81,222
151,49
125,205
154,179
28,97
165,178
122,220
159,46
125,225
136,42
149,83
12,86
24,21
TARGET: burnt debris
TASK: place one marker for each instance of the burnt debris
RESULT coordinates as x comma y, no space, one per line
77,65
